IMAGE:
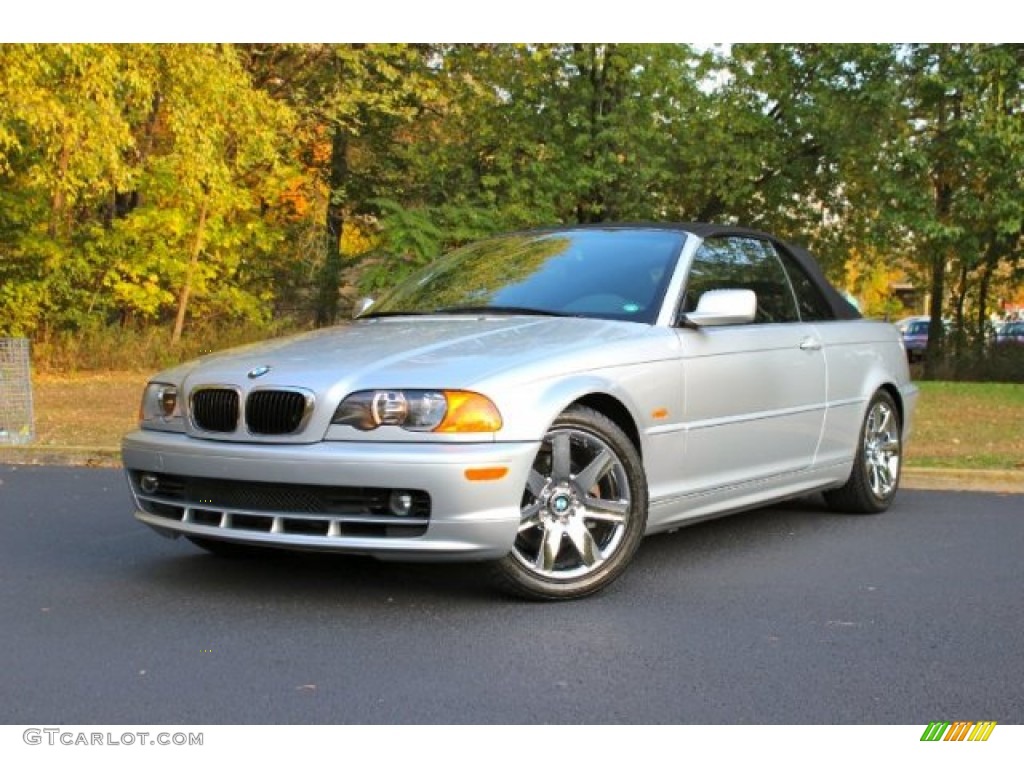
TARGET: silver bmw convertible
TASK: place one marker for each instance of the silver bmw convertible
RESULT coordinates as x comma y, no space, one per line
539,401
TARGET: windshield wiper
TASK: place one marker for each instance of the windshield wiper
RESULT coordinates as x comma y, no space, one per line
481,310
407,313
485,310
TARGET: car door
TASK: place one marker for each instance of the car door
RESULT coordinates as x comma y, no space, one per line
755,393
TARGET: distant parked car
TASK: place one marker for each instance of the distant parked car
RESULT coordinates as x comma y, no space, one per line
915,335
1010,333
915,339
901,325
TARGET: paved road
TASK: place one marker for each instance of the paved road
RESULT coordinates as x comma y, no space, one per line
787,615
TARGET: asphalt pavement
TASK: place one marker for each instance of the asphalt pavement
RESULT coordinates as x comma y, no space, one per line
791,614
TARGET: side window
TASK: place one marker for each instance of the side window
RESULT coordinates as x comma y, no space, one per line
813,305
740,262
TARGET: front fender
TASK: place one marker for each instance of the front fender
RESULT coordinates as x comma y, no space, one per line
649,392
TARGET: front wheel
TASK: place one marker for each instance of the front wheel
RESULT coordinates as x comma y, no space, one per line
584,510
876,468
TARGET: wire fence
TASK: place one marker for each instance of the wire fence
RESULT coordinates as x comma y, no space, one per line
16,417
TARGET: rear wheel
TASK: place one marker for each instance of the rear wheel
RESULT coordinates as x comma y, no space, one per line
876,469
584,510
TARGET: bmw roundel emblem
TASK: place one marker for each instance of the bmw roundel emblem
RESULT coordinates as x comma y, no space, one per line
262,370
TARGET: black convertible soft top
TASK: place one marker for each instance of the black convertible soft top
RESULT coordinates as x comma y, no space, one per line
841,308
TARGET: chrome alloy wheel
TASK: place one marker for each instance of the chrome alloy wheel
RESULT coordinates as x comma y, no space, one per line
875,474
882,449
575,508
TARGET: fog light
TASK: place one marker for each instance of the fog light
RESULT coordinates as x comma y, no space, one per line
401,503
149,483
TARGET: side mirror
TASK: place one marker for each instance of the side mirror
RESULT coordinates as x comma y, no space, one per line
362,307
724,307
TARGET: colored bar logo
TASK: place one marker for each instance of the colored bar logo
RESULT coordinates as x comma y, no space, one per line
961,730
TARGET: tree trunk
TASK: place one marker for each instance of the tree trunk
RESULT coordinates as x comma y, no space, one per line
330,276
981,319
935,328
592,60
996,244
960,325
58,200
193,262
124,203
936,331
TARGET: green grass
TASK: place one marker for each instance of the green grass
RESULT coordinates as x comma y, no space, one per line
968,425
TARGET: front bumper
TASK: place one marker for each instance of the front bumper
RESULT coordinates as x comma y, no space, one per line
468,520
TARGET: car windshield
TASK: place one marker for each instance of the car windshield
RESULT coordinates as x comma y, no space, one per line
605,273
918,328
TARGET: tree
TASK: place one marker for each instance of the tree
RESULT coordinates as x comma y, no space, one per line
525,135
139,177
65,138
163,186
788,138
956,172
352,99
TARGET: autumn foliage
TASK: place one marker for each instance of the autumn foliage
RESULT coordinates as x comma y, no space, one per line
174,192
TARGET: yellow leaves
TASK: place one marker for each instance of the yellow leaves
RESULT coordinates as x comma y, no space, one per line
65,104
358,237
871,279
146,298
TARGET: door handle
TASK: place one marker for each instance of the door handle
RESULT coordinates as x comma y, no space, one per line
810,344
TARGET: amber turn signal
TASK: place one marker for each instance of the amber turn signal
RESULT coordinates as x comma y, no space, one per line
477,474
469,412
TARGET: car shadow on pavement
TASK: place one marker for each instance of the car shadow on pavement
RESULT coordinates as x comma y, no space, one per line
755,529
269,574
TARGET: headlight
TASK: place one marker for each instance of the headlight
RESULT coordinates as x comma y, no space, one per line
161,408
419,410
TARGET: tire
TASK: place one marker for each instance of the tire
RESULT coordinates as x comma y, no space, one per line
584,511
876,468
221,548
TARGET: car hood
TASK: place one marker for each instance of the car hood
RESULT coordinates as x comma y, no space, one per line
420,352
